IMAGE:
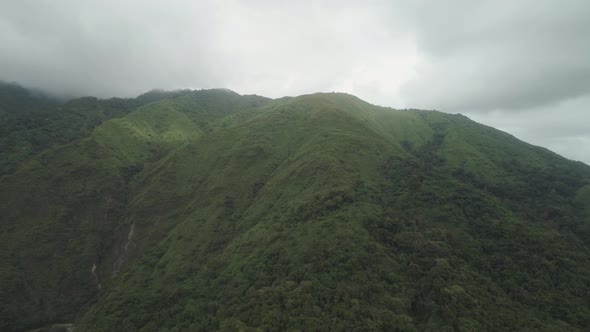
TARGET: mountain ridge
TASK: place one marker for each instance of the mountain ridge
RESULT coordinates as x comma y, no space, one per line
208,210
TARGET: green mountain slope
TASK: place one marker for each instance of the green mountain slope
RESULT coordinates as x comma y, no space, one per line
61,209
209,210
31,122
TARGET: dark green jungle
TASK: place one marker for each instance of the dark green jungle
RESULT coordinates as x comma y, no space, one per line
208,210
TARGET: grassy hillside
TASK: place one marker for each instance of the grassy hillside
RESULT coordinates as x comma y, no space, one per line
214,211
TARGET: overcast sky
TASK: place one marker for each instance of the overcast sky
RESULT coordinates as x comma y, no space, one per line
520,66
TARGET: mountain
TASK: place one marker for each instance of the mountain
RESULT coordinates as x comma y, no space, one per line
209,210
31,122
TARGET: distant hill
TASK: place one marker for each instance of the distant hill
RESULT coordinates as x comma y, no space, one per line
208,210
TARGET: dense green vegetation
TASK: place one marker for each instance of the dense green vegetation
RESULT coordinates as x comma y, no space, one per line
207,210
31,122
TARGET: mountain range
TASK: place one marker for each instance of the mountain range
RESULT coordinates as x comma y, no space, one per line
204,210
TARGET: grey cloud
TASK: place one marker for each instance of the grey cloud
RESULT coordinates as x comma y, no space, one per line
485,55
563,127
123,48
108,48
